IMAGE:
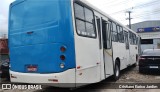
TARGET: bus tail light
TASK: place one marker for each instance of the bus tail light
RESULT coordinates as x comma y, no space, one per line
63,49
62,57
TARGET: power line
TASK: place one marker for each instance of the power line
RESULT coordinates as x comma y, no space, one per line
138,6
117,3
148,13
111,3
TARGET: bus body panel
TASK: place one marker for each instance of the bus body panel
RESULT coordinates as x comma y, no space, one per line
120,53
62,79
87,61
37,31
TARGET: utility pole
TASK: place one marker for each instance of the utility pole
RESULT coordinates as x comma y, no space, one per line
129,18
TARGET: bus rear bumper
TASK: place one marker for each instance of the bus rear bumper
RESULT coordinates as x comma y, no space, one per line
63,79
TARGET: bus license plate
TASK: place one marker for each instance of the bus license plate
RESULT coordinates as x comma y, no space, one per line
153,67
32,68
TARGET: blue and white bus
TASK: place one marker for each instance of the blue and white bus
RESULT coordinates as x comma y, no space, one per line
67,41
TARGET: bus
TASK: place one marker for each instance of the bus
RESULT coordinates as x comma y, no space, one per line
67,41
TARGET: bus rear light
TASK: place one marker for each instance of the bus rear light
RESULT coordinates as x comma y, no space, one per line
62,57
78,67
62,65
63,49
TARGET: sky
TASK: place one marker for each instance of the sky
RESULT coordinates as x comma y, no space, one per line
4,7
142,10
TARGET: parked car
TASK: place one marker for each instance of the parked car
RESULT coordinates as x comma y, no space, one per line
149,60
4,69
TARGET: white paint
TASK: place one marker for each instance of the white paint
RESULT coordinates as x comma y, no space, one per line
62,77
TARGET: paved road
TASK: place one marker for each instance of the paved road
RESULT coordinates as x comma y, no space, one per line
129,75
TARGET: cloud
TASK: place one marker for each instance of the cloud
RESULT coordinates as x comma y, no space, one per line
142,9
4,7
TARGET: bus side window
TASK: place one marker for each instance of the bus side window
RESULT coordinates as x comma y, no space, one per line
106,29
84,21
109,39
99,31
131,37
114,32
126,39
120,34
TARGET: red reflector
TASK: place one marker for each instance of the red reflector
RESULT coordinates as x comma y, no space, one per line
32,68
54,80
78,67
62,57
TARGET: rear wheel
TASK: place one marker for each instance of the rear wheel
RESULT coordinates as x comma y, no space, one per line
116,71
134,65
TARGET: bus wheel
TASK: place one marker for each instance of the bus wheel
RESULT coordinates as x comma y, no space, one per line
116,71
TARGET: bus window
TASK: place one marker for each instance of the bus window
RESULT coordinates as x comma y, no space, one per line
135,39
109,28
126,39
106,29
79,12
114,32
99,31
120,34
131,37
84,21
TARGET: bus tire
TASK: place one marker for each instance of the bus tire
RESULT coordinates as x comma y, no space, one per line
117,71
134,65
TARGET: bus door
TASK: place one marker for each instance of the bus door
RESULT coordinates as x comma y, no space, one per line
127,53
107,47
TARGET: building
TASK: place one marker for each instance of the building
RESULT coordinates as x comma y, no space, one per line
149,31
3,49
